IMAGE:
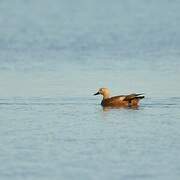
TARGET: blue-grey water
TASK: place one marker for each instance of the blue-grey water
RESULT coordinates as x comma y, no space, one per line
54,55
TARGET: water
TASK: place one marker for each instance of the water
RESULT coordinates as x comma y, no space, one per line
54,55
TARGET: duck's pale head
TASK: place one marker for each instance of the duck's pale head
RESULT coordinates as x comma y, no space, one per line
104,92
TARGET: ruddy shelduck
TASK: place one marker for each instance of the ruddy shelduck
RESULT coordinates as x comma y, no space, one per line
131,100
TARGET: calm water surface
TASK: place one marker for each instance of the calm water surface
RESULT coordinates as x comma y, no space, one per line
54,55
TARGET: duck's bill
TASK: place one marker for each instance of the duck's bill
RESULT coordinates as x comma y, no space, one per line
96,93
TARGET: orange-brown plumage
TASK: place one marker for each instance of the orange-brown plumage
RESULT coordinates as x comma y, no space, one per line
131,100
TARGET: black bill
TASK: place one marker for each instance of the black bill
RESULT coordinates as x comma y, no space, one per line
97,93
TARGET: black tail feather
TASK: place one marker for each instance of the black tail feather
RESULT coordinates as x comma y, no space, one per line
140,97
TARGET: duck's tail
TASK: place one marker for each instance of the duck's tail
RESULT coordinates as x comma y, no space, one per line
134,101
139,97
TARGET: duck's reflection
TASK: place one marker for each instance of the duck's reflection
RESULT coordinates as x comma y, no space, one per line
109,108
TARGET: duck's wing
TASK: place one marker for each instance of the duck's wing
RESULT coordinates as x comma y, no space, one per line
118,98
126,97
133,96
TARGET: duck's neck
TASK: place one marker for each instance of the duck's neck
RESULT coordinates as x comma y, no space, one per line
106,96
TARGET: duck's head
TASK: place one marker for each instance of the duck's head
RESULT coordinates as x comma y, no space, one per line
103,91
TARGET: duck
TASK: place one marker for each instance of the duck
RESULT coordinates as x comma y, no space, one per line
130,100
